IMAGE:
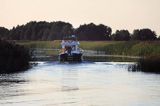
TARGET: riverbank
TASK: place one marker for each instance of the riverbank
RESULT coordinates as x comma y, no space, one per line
147,64
101,51
130,48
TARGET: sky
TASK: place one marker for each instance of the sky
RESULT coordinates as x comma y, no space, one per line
118,14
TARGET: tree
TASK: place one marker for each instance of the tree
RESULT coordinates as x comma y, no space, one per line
121,35
93,32
143,34
67,30
41,31
159,38
3,32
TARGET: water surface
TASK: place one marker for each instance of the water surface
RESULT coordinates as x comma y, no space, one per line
85,84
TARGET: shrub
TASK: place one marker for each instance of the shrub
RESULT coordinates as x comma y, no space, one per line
13,57
148,64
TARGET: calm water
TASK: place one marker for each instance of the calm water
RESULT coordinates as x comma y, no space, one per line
85,84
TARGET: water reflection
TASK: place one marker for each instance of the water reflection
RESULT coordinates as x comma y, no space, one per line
85,84
69,80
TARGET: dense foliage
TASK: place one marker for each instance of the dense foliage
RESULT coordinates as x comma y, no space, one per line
93,32
159,38
13,58
144,34
58,30
41,31
121,35
3,32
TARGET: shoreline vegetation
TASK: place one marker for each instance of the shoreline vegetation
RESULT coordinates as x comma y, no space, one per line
127,48
13,57
57,30
148,64
148,50
143,42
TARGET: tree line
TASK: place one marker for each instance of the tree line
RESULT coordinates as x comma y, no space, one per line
58,30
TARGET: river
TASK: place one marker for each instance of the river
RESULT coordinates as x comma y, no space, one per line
84,84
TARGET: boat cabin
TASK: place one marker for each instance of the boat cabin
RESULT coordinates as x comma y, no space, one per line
70,49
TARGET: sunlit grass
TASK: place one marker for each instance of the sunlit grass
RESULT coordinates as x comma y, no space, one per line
36,44
135,48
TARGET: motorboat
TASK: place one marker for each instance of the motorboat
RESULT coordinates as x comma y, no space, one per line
70,51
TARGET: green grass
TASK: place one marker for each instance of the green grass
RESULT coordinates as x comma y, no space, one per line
95,45
89,45
36,44
133,48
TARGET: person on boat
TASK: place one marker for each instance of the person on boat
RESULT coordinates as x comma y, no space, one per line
71,50
74,44
63,43
66,46
70,45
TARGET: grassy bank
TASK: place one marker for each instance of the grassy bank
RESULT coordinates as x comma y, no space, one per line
149,49
133,48
36,44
